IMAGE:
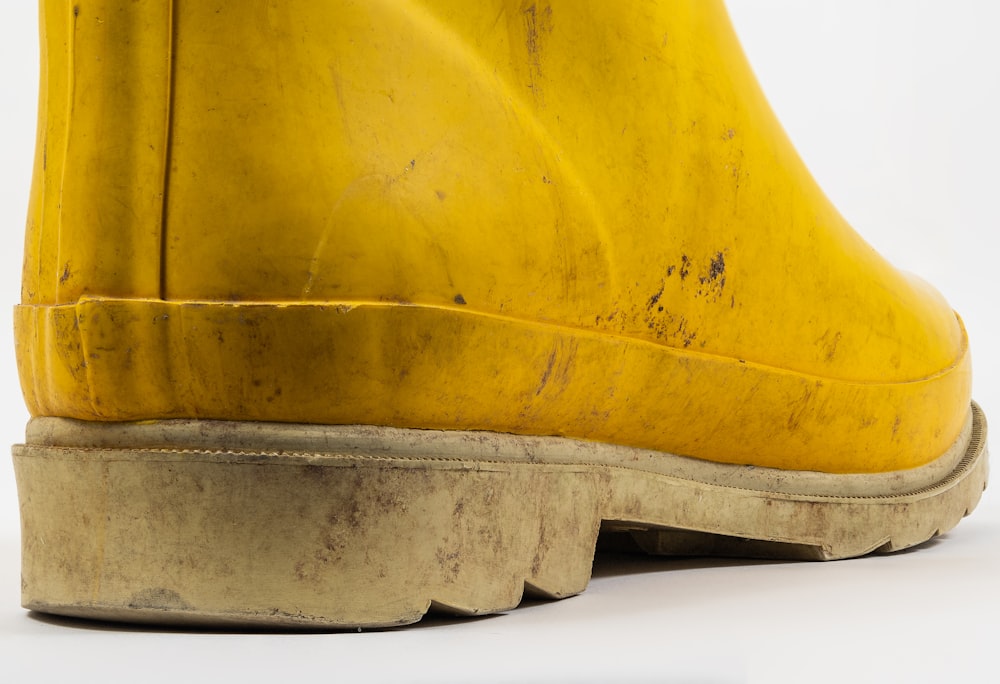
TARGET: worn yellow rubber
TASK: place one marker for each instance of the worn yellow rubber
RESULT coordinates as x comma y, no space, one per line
451,368
571,217
357,526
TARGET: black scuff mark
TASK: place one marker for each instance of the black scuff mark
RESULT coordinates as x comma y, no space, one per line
716,271
713,279
547,374
655,298
717,267
685,266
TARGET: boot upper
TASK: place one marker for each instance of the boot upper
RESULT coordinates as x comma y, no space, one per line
601,185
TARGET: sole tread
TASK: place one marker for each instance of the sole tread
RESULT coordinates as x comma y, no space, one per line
374,538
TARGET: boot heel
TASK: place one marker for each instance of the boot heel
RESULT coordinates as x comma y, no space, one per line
345,538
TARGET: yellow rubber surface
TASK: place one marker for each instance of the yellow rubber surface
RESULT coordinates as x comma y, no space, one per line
450,368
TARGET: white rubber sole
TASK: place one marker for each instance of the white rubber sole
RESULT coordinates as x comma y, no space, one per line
315,526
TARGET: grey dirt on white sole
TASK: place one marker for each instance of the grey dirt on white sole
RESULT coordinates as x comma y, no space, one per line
315,526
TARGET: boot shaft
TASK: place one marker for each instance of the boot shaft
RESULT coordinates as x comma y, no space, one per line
495,155
590,170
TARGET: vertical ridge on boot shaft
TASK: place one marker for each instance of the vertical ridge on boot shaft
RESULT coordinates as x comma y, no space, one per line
95,218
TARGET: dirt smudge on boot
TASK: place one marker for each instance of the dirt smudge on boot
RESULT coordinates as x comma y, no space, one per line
537,25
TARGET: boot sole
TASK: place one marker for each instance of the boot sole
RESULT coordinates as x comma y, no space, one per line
223,523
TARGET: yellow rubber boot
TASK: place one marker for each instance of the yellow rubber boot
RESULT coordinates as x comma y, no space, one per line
336,311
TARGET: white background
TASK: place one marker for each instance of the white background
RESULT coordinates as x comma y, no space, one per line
895,106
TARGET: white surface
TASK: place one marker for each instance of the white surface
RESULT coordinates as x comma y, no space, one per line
894,105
